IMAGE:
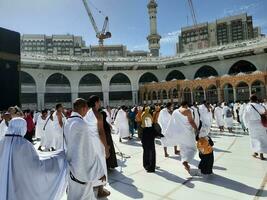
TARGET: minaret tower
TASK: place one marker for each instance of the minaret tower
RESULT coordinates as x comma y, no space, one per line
153,38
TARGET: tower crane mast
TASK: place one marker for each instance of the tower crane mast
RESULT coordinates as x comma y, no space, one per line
193,13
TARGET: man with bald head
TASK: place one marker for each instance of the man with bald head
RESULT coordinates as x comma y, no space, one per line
84,163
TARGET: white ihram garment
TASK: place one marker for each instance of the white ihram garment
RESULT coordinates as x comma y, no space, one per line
122,124
84,162
206,119
183,135
228,120
57,141
3,129
256,130
92,124
163,120
25,174
49,135
196,116
39,132
218,115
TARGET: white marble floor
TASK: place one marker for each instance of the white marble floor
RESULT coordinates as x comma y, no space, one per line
237,175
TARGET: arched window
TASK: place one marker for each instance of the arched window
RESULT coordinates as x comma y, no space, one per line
242,66
228,93
199,94
175,74
58,90
258,88
154,96
212,94
119,79
205,71
90,80
242,92
120,90
28,91
90,85
187,95
147,78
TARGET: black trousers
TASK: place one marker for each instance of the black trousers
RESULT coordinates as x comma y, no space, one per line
149,153
206,163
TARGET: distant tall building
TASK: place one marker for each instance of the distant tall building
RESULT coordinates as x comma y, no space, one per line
52,45
222,31
154,37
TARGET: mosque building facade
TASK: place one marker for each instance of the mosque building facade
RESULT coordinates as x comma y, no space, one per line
226,72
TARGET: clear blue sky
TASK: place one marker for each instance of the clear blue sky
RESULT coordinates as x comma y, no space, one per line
128,18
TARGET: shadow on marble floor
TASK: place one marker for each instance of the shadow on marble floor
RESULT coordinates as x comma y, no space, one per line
174,178
126,187
230,184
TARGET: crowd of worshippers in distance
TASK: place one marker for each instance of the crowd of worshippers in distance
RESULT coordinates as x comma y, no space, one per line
71,150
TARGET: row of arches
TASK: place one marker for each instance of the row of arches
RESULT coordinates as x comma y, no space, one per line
148,77
58,87
212,94
206,71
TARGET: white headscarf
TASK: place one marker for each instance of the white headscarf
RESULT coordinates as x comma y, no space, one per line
17,126
24,174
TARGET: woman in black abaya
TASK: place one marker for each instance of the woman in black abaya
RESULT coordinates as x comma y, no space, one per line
112,160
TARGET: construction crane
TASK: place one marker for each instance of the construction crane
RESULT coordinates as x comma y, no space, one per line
194,18
193,13
104,33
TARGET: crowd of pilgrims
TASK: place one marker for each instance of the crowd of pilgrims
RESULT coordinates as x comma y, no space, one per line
76,148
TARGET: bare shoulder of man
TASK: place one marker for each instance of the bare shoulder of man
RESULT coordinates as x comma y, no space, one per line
187,112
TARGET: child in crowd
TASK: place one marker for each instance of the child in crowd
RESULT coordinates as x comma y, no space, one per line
205,147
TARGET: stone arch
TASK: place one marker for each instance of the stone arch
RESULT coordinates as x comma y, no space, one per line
242,91
205,71
28,91
228,92
164,94
147,77
199,94
57,79
242,66
212,94
175,94
154,96
58,90
187,95
90,85
90,79
175,74
120,78
26,78
120,90
258,88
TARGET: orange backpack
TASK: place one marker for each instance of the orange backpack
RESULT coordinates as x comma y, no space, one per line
203,146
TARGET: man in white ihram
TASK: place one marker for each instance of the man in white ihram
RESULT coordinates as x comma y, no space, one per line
257,132
184,127
84,163
163,120
205,117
